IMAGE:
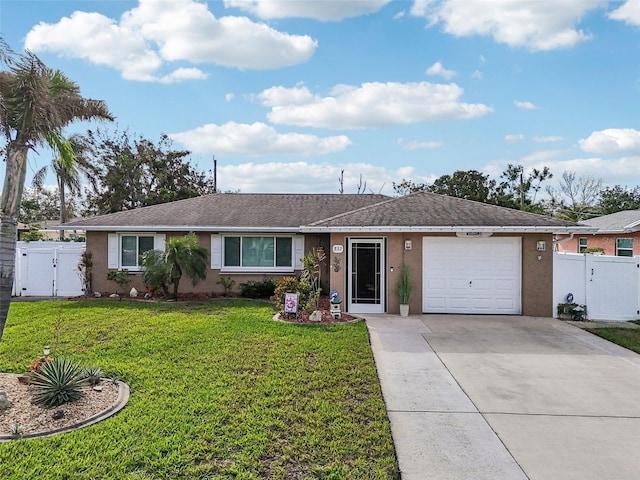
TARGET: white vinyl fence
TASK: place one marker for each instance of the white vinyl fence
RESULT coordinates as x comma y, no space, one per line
608,285
48,269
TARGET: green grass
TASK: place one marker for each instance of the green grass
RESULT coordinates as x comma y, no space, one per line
218,391
625,337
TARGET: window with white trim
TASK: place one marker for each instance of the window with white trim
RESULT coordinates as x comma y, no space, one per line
125,249
624,247
258,253
582,244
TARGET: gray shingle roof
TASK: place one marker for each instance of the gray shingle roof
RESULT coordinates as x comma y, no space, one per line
432,210
624,221
319,212
232,210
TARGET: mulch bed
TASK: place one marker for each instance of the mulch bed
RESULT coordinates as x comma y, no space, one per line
323,308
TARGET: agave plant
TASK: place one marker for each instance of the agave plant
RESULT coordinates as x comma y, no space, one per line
93,375
58,382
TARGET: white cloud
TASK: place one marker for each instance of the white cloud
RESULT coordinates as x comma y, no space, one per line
438,69
629,12
156,32
305,177
478,75
542,156
318,10
619,171
415,145
548,139
514,138
369,105
400,14
228,97
256,139
525,105
612,141
534,24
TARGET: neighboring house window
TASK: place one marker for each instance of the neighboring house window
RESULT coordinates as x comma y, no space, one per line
125,249
624,247
582,244
257,253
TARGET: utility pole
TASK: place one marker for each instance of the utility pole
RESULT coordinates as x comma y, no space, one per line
215,175
521,188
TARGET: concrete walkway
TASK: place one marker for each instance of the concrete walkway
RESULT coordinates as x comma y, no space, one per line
509,398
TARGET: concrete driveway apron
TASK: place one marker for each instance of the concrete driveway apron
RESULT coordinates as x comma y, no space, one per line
502,397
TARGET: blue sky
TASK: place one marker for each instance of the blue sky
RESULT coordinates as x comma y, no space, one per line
286,94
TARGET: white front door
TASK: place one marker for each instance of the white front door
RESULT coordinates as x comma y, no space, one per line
472,275
366,282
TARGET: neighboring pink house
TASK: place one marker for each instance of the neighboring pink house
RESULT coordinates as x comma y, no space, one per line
618,234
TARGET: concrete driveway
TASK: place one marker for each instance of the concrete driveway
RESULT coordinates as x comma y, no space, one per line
500,397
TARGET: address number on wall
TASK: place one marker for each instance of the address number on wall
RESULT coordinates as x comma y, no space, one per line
337,248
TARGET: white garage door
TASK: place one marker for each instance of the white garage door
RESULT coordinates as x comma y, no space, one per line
471,275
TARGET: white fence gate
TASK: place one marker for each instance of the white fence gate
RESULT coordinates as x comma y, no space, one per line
608,285
48,269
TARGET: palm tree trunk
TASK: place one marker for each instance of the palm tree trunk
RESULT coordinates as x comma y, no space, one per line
16,171
63,207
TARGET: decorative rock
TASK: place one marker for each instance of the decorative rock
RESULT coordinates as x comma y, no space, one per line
147,295
316,316
114,295
57,415
5,403
97,388
133,293
24,378
97,294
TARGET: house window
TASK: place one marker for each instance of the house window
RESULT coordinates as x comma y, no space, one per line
624,247
132,247
258,253
582,244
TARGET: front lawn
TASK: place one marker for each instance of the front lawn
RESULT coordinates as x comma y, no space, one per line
218,391
626,337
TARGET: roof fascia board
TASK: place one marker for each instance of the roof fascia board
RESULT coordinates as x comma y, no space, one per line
182,228
448,229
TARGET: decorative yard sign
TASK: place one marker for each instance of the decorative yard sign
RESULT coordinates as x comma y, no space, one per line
291,303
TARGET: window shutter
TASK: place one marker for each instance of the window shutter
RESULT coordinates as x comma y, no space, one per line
158,242
298,251
216,251
113,250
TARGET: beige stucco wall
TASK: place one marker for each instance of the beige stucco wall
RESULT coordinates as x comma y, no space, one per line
97,244
537,273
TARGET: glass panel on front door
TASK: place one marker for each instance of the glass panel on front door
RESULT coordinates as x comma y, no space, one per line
366,282
366,273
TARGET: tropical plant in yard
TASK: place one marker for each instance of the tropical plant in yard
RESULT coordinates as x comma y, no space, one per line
36,103
154,271
311,275
68,175
59,381
93,375
182,256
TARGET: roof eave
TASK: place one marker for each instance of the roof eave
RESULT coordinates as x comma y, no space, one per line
449,229
184,228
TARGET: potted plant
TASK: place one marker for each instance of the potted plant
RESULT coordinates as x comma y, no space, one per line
404,290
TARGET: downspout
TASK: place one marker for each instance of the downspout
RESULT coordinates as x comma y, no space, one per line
557,242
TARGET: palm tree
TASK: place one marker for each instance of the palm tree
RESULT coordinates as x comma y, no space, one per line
68,175
182,255
36,103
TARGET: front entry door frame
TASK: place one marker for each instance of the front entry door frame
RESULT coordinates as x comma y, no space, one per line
366,279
